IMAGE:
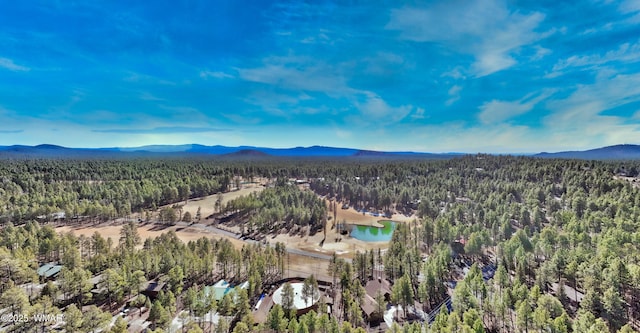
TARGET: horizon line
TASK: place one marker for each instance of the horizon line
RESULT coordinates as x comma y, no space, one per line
323,146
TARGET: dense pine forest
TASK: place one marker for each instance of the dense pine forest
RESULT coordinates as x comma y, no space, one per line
562,236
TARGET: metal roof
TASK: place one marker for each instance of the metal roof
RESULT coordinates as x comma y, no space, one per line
49,270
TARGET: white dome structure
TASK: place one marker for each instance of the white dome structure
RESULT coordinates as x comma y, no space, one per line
299,303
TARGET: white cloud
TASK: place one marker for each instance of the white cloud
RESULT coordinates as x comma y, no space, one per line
582,127
634,19
456,73
454,94
184,112
319,38
578,119
297,73
629,6
418,114
385,64
486,29
302,74
625,53
218,75
630,15
583,108
12,66
497,111
375,108
139,77
145,96
605,27
242,120
541,52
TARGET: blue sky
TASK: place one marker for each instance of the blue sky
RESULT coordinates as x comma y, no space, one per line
465,76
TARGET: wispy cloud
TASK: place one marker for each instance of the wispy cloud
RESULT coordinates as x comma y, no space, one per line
144,78
373,107
146,96
182,113
295,74
298,73
629,6
418,114
454,95
540,52
163,130
217,75
625,53
488,30
584,108
456,73
497,111
12,66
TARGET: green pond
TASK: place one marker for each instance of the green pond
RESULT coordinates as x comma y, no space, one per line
374,234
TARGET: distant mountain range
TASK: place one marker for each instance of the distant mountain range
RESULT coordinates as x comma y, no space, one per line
313,151
243,152
617,152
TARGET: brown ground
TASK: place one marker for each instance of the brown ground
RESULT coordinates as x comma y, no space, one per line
352,216
146,231
298,265
207,204
342,245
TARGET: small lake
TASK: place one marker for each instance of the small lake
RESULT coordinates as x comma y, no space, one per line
374,234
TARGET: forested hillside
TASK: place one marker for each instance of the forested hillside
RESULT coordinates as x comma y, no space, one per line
283,206
101,189
563,237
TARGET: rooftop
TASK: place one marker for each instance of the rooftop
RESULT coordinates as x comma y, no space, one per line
49,270
375,285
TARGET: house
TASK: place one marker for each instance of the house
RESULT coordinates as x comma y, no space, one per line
375,285
96,289
49,271
382,285
372,312
153,288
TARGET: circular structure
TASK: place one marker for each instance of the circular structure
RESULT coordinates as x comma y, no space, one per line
299,303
